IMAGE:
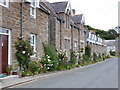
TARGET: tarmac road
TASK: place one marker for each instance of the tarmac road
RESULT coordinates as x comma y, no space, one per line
102,75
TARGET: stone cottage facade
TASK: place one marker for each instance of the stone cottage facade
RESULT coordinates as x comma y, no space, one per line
65,32
44,22
79,21
96,44
28,19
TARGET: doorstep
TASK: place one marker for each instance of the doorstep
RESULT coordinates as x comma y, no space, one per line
9,77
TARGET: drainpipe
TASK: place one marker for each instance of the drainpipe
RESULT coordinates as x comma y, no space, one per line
79,42
60,35
21,25
21,18
48,29
72,37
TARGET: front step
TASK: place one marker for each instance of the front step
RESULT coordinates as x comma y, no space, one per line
3,75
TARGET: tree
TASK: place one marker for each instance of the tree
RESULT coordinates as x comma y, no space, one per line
111,34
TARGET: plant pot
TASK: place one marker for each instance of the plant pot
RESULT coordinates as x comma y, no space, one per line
23,75
14,73
8,73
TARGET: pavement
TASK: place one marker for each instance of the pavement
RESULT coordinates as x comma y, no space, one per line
100,75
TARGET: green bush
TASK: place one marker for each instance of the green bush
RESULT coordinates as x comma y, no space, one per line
95,56
34,67
112,53
51,51
77,66
86,58
26,73
62,65
73,57
87,51
108,56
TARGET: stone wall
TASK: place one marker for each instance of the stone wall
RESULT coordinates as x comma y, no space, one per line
39,26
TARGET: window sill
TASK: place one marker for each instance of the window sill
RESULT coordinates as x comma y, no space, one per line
6,6
32,16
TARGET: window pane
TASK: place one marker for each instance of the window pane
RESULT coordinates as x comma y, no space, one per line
4,2
32,39
68,44
65,43
33,42
32,11
33,3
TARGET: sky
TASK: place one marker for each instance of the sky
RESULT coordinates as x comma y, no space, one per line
100,14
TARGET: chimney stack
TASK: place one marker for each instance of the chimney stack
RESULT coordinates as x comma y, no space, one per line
73,10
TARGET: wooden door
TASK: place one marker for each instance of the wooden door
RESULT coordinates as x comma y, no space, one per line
0,55
4,53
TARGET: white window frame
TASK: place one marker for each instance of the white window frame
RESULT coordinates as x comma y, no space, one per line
33,44
75,45
34,8
67,44
7,3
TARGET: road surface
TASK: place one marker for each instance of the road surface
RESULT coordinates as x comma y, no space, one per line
102,75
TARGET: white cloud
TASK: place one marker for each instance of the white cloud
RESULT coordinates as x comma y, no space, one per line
102,14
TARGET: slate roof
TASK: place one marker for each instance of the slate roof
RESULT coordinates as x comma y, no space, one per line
59,6
77,18
72,23
49,6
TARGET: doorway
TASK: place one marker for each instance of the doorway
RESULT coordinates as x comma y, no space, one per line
3,53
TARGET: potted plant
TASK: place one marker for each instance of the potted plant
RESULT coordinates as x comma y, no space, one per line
9,69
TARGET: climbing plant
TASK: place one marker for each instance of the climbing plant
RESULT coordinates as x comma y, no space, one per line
23,52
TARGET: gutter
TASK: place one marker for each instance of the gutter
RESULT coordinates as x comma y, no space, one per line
44,10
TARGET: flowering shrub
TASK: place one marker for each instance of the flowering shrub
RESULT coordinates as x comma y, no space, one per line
76,54
23,52
34,67
64,65
94,56
74,57
62,54
45,63
82,50
52,53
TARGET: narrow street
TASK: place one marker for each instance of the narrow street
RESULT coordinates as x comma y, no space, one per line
103,75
